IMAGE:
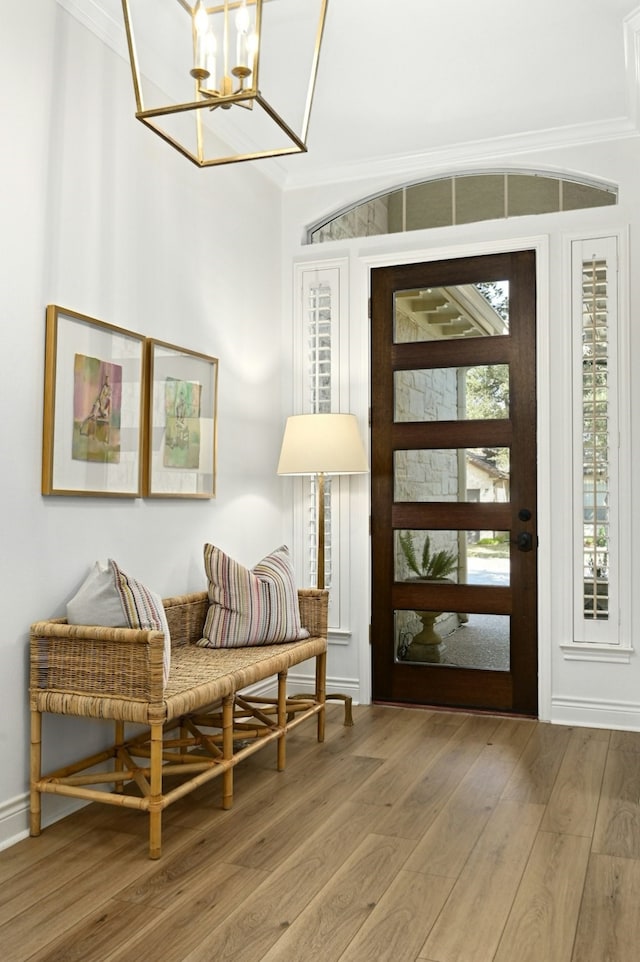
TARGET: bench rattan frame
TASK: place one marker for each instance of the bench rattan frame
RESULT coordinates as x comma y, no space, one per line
197,728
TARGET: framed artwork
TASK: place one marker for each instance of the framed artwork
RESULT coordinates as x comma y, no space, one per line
181,436
94,390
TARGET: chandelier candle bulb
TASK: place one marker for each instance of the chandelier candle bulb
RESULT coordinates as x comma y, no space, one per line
201,33
210,57
242,38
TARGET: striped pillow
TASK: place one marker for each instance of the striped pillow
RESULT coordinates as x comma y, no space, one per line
143,608
251,607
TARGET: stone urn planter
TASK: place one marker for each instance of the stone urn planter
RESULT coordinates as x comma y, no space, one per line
427,645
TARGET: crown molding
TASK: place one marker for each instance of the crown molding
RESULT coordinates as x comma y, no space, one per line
94,17
411,165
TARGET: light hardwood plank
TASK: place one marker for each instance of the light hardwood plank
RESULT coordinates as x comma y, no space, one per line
471,923
397,775
284,833
19,859
95,935
402,728
400,922
543,919
536,772
29,890
324,929
415,809
454,832
199,905
267,912
617,830
609,925
624,741
573,804
59,901
339,737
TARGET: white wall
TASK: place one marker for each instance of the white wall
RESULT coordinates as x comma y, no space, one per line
572,689
100,216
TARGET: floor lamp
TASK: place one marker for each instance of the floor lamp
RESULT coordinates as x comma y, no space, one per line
318,445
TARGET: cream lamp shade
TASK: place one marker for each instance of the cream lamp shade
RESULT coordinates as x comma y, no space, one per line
322,444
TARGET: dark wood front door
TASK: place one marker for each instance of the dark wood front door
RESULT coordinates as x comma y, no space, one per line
453,526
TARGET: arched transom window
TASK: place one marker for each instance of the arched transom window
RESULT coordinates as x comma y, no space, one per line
463,199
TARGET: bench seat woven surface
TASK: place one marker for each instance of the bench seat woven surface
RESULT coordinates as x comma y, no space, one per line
200,676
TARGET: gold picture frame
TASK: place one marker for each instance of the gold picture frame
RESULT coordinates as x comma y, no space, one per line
181,429
93,419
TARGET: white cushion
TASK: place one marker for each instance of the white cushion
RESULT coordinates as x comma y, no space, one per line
110,598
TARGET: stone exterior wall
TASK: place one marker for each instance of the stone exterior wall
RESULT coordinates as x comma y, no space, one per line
429,475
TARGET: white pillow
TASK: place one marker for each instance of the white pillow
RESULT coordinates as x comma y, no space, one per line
110,598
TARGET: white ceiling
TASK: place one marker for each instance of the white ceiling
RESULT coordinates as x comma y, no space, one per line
423,76
407,84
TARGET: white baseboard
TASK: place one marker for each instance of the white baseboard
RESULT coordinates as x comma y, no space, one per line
305,685
595,713
14,820
14,816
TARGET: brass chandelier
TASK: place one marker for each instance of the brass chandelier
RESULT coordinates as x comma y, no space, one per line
226,82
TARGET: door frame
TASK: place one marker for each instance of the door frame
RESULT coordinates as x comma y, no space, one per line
360,302
395,677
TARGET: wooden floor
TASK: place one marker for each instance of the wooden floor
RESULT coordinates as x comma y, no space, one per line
414,835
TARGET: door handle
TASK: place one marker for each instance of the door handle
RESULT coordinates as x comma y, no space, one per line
524,541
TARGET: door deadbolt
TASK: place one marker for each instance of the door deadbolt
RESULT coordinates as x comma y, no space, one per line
524,541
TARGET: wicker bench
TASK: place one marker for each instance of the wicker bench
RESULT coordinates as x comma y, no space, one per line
199,726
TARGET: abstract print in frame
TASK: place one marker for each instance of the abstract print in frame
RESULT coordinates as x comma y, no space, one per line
182,414
180,460
93,407
97,409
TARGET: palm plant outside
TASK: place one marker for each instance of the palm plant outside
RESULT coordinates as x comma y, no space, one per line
430,566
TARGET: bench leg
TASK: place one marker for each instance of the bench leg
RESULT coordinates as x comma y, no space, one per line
321,691
155,801
282,720
184,736
36,771
347,699
119,742
227,751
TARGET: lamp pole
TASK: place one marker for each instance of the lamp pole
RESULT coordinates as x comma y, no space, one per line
320,533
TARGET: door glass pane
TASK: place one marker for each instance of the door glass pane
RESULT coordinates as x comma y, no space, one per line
452,393
464,557
452,638
451,474
461,310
